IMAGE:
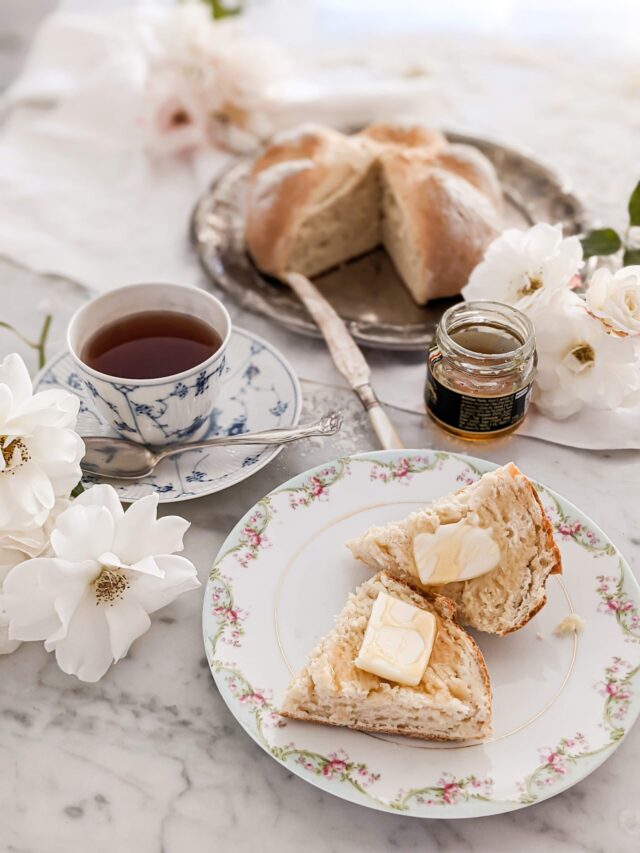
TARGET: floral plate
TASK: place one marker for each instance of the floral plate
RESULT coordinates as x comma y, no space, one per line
260,391
562,704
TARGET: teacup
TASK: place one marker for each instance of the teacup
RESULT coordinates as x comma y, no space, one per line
169,409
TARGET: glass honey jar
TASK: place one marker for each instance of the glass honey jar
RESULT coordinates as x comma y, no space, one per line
480,369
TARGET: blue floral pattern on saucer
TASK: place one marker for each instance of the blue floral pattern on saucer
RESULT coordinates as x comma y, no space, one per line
260,391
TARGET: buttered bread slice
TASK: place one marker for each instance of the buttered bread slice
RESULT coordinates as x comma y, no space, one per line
434,683
488,547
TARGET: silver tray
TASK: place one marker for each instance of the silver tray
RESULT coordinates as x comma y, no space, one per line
366,292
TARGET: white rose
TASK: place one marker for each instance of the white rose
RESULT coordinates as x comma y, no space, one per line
40,452
579,364
520,263
615,299
107,570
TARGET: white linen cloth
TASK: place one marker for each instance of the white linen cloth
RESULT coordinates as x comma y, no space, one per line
81,197
80,194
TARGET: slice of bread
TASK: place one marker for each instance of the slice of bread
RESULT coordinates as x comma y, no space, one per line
504,501
452,702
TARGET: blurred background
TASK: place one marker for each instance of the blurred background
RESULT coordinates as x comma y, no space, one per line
606,27
557,78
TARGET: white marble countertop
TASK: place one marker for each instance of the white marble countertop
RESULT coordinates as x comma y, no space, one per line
150,759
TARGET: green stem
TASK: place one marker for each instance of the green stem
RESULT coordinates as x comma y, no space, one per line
40,345
42,341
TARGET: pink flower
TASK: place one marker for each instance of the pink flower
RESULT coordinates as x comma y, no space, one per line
568,529
253,537
254,698
334,766
177,119
316,486
403,468
450,792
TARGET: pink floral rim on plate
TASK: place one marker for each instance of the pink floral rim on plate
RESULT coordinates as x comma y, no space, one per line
289,547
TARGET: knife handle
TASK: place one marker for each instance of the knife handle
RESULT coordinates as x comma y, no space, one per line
382,426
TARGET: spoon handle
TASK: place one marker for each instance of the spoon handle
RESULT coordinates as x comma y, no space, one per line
327,425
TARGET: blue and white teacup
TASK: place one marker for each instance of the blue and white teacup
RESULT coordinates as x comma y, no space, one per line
169,409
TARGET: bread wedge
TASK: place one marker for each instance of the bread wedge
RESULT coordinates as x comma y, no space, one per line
503,501
452,702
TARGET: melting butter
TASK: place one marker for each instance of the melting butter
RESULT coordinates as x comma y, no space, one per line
398,641
454,552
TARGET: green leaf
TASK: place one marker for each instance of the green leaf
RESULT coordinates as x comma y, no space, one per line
221,9
77,490
602,241
634,206
631,257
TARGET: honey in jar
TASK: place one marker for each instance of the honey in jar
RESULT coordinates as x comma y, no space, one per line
480,369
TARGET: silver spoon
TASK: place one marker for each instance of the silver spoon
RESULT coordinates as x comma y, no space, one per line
119,459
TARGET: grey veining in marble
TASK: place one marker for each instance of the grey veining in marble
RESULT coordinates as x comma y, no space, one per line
149,760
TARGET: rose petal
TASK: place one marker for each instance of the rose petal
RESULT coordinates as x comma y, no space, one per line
26,497
101,495
6,645
14,374
6,404
127,620
55,449
152,593
53,408
85,651
27,600
83,532
68,598
148,566
140,534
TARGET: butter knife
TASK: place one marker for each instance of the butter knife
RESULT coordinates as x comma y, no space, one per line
346,356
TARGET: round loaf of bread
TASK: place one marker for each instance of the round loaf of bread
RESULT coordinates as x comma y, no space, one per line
318,198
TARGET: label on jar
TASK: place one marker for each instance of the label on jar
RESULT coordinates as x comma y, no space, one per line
469,413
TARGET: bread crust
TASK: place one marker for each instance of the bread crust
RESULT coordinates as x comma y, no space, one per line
551,545
416,139
386,731
551,541
289,177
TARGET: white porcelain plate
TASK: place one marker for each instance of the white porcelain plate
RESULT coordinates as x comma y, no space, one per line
561,704
260,391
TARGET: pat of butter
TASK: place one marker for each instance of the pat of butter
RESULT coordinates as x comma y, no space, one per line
398,641
455,552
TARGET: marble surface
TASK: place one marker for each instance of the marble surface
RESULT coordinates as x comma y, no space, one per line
151,760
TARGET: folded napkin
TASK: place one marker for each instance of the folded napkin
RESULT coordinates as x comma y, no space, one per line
81,197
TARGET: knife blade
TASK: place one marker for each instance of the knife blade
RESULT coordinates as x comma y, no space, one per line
346,356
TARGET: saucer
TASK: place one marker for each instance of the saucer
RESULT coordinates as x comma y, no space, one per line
260,391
